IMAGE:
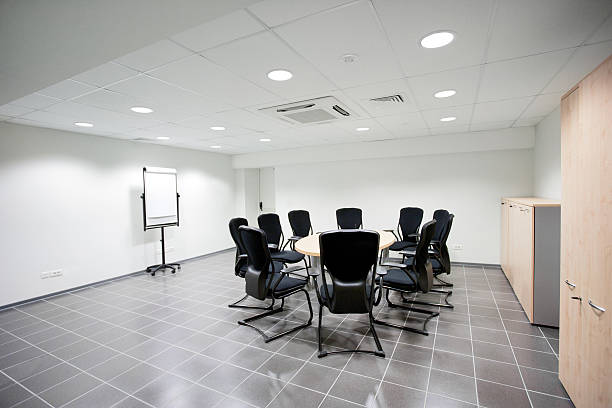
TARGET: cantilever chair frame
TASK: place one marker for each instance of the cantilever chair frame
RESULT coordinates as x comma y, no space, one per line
323,353
269,292
406,267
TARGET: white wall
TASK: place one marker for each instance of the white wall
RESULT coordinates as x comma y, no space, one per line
467,184
547,157
72,201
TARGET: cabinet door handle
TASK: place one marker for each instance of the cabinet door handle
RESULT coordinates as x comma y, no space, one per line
594,306
577,298
570,284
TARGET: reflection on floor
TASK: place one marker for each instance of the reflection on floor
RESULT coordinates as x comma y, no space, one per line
171,341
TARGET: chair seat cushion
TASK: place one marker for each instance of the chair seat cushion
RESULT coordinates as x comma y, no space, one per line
287,256
287,284
274,267
330,289
398,279
401,245
435,264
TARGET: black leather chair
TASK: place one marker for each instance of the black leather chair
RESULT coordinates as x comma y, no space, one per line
407,228
349,218
348,256
409,277
262,284
300,225
271,224
441,258
240,266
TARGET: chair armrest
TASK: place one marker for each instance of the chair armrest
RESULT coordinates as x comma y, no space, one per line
243,256
292,269
394,265
413,235
294,238
408,253
272,246
389,230
381,272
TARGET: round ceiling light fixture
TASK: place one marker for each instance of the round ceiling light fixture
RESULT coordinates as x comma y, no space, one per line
448,119
141,109
280,75
217,128
437,39
349,58
163,138
362,129
265,139
83,124
215,147
447,93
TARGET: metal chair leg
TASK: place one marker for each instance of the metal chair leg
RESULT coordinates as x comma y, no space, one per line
442,284
237,306
446,303
430,315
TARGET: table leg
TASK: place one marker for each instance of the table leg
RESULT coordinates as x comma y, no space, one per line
315,263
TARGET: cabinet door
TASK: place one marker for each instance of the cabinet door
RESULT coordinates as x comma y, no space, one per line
511,244
572,244
504,237
523,276
595,234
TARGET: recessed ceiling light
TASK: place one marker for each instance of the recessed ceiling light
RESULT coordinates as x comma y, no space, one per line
83,124
280,75
163,138
445,94
362,129
215,147
448,119
217,128
265,139
437,39
349,58
141,109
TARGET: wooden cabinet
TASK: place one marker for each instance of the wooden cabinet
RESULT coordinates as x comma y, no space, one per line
585,351
530,230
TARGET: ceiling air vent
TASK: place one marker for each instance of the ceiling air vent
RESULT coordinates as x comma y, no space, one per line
325,109
391,98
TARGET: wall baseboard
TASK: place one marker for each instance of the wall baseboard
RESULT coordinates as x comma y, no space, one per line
476,264
61,292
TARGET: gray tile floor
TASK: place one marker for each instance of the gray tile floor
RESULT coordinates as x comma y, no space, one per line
171,341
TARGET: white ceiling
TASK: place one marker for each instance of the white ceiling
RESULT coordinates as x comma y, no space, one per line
510,63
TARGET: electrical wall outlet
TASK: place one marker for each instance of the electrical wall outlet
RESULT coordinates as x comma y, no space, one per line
51,274
458,247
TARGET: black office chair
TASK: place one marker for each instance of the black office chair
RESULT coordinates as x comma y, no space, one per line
349,218
240,266
441,258
271,224
300,225
348,256
407,228
262,284
410,277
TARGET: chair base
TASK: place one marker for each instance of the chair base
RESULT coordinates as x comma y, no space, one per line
267,339
323,353
237,306
442,284
430,315
446,303
163,266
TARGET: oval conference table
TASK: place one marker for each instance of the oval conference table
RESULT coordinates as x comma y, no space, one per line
310,246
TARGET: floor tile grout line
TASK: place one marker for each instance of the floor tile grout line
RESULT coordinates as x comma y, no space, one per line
472,346
513,353
433,351
549,345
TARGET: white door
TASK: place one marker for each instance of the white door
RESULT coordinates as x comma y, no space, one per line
266,190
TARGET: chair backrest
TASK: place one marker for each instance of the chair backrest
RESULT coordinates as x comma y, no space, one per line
234,225
349,218
271,224
300,223
409,222
349,256
443,249
259,260
421,263
441,216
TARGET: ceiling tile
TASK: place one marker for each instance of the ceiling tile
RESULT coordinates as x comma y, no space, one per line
603,33
478,127
445,130
176,131
67,89
161,94
464,81
526,27
462,113
204,123
520,77
206,78
407,21
14,110
363,95
543,105
153,56
509,109
376,130
276,12
584,60
105,74
255,56
404,125
528,121
219,31
36,101
252,120
324,38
